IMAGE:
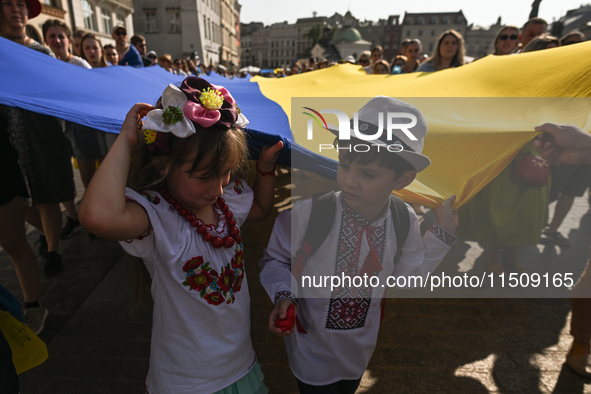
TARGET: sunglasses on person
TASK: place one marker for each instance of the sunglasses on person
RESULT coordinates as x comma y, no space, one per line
151,57
177,63
120,33
363,61
505,37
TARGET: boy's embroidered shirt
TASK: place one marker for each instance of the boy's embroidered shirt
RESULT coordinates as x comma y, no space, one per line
341,325
200,336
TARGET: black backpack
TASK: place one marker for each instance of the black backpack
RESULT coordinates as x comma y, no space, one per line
322,217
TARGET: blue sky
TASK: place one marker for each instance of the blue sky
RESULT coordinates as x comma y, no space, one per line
514,12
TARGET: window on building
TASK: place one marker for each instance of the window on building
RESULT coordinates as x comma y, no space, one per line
432,33
409,21
431,47
408,33
175,22
151,26
460,19
107,21
205,27
48,2
434,20
120,20
421,20
420,33
445,20
88,15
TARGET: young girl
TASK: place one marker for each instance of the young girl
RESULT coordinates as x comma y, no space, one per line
183,221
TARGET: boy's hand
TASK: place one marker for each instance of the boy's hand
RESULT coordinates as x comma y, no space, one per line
447,217
280,312
268,157
132,125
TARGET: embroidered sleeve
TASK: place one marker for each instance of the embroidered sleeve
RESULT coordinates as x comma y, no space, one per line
445,236
284,294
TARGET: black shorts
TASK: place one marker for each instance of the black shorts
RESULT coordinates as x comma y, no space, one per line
12,183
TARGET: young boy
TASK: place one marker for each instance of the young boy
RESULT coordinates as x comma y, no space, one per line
337,332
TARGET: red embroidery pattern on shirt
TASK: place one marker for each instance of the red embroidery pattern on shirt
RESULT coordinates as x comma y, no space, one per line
283,294
443,234
154,200
215,288
238,186
348,307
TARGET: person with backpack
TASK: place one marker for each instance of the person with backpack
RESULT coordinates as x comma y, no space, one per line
361,230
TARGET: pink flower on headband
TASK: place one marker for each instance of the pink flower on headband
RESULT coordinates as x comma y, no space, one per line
208,104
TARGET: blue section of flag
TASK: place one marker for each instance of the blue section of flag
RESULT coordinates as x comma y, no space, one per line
101,98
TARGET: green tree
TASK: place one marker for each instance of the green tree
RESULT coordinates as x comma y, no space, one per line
314,34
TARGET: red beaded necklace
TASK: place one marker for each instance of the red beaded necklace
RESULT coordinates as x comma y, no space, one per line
207,231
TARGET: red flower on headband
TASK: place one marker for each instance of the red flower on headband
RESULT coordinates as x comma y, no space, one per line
208,104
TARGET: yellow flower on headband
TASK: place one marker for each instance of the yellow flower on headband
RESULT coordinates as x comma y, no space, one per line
211,99
150,136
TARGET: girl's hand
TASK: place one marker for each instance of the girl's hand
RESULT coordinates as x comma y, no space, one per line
268,156
280,312
132,125
447,217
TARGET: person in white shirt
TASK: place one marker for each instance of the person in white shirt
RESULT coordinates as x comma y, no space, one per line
337,328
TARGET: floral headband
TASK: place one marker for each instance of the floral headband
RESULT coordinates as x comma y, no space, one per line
196,101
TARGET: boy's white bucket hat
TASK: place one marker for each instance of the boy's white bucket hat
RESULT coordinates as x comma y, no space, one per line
369,116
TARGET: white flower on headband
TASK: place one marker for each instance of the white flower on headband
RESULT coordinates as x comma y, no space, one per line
170,119
241,122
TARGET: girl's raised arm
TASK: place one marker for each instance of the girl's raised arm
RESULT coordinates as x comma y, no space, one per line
103,210
264,183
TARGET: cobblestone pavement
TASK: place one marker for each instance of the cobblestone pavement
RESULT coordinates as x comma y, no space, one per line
98,343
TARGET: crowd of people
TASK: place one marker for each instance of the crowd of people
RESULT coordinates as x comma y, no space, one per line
194,142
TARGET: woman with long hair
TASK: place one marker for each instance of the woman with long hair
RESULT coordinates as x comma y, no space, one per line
92,51
412,51
449,53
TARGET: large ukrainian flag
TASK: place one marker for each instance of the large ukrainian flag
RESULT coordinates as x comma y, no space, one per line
479,115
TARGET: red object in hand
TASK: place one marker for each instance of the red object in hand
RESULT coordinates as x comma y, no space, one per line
287,323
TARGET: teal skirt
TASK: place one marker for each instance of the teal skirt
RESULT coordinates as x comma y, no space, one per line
251,383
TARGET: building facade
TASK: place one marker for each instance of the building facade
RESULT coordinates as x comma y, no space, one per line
260,48
391,40
479,41
282,45
303,42
180,27
98,17
429,25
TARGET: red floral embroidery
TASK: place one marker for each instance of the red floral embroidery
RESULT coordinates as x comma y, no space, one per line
193,263
215,288
200,280
238,282
238,187
154,200
226,280
214,298
238,260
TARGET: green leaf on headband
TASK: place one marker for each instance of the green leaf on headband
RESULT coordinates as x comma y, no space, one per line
172,115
